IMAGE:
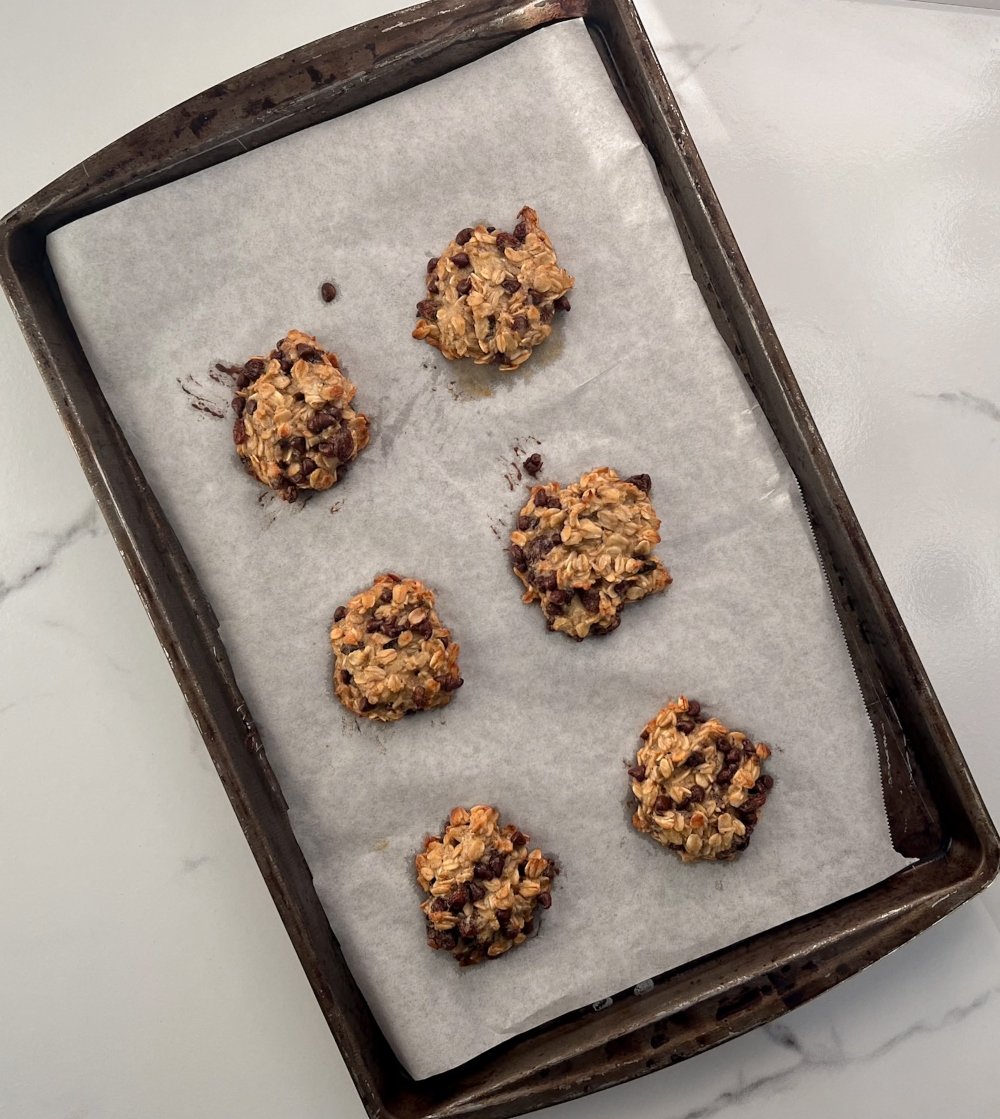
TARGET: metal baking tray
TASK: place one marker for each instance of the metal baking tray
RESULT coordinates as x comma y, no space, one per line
936,814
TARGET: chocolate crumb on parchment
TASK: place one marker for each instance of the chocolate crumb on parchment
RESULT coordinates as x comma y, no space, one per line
198,401
392,654
533,464
492,295
487,885
699,785
295,428
584,551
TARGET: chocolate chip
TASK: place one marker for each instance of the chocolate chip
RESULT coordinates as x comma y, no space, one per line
490,228
373,625
637,772
644,734
419,698
239,404
749,749
287,363
663,804
463,235
734,757
591,600
519,324
438,905
697,794
525,523
546,314
767,781
685,726
307,352
457,899
520,231
496,864
432,264
535,297
726,774
345,676
476,892
544,499
519,839
560,597
254,367
467,930
460,260
427,309
251,406
308,466
533,463
239,433
545,581
463,287
328,292
320,421
343,444
505,241
694,707
291,494
510,284
433,287
482,870
561,304
452,684
644,483
424,628
696,757
242,381
325,448
503,917
340,613
529,926
517,557
545,899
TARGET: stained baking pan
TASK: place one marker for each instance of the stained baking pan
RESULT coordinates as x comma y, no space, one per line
936,815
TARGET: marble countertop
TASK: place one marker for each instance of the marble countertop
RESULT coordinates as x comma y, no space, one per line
855,146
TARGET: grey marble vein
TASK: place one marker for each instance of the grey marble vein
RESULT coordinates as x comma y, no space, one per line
981,404
86,526
833,1054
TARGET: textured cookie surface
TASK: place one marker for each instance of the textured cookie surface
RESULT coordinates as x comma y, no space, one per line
585,550
486,885
699,785
491,295
392,654
295,427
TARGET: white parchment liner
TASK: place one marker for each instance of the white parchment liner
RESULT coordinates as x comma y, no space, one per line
219,265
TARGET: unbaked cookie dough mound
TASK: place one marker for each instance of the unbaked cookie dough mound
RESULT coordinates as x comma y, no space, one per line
492,296
295,428
392,654
584,551
699,785
487,885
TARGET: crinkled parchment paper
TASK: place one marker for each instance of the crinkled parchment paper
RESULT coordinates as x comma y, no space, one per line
217,266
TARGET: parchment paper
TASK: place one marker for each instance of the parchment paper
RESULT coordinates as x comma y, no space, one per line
219,265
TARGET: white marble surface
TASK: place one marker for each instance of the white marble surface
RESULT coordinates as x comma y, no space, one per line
856,149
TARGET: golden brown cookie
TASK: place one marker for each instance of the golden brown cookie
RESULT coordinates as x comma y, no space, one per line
392,655
486,886
585,550
699,785
492,295
295,427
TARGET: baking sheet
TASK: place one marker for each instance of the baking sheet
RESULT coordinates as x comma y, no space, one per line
216,266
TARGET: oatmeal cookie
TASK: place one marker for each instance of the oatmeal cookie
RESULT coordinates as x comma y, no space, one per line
486,886
699,785
584,550
295,427
392,656
492,295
